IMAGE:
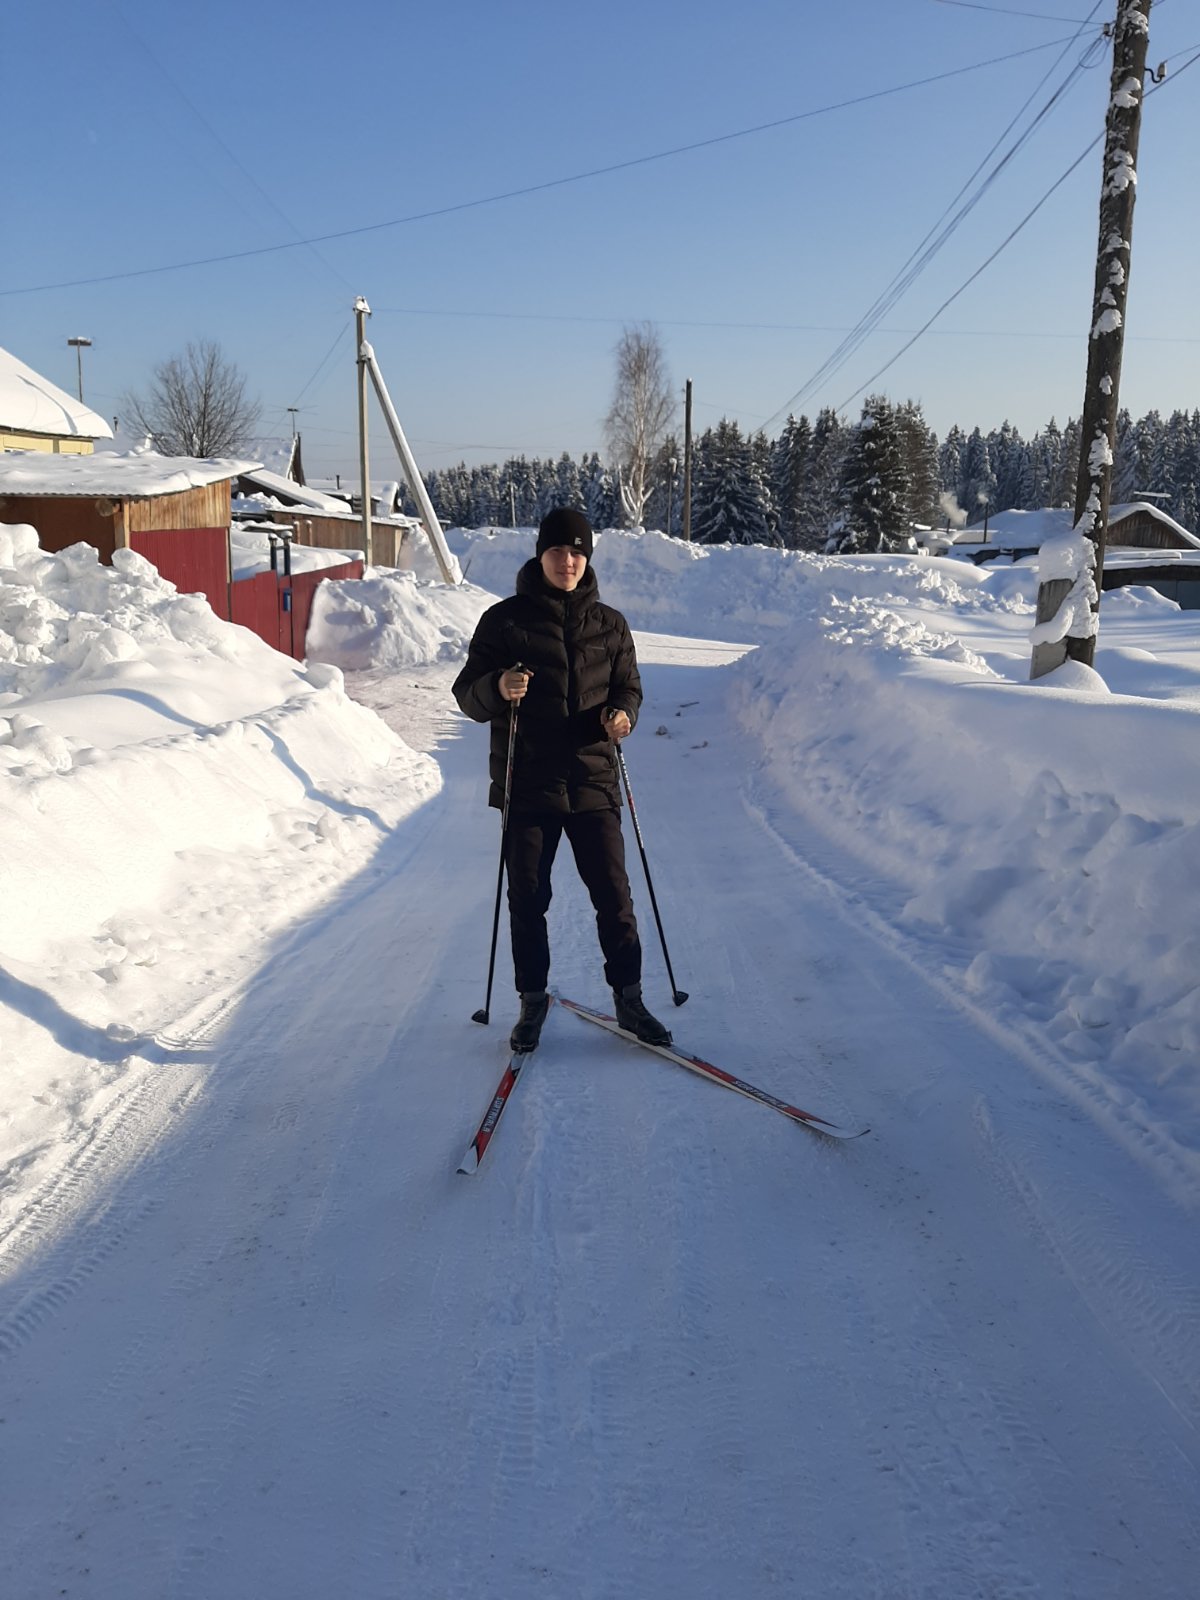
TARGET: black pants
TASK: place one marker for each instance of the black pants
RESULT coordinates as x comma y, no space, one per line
599,849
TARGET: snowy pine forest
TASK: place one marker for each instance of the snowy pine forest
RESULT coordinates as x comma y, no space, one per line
858,486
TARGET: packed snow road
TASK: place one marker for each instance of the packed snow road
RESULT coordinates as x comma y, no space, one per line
262,1341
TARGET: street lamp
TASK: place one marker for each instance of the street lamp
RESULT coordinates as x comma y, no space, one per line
80,344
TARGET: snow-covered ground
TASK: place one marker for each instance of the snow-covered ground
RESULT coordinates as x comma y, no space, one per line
257,1339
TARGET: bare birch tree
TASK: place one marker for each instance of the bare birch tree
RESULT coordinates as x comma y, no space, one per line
196,404
642,407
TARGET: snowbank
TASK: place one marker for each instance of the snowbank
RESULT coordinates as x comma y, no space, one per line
734,592
392,619
1046,830
174,791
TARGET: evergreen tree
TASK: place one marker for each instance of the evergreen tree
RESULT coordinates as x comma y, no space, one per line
979,481
727,506
918,444
1046,454
1063,486
789,470
950,464
1126,472
1148,431
820,509
1005,448
664,508
875,485
485,497
760,481
599,493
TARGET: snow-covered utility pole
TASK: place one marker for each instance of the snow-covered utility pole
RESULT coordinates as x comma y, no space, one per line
1072,567
361,312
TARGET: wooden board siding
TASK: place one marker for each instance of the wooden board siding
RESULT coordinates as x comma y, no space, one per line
195,560
342,533
205,506
1140,531
64,520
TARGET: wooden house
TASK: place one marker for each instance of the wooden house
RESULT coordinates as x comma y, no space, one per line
36,414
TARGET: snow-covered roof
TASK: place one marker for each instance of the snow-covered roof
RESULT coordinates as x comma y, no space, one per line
283,494
1127,556
290,493
136,475
1029,530
30,403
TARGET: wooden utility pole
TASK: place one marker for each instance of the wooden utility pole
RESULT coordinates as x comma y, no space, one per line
687,461
361,312
1081,592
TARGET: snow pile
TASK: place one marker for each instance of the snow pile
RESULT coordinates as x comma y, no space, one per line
736,592
250,552
392,619
173,789
1044,830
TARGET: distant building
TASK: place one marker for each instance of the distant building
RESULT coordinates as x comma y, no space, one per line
36,414
327,518
1144,546
1133,526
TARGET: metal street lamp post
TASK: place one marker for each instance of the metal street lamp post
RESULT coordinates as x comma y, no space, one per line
80,345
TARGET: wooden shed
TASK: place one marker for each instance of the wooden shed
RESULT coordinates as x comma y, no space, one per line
173,510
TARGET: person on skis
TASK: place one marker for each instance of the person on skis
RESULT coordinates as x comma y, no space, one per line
567,663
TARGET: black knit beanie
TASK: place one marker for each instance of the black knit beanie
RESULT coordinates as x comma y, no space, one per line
564,526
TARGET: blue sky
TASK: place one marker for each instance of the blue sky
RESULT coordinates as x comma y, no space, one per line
150,135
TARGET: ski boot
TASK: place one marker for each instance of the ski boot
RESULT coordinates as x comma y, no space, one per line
528,1029
634,1018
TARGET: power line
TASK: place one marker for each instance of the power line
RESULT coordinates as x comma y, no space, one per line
453,313
1007,11
216,137
934,241
527,189
1003,245
341,334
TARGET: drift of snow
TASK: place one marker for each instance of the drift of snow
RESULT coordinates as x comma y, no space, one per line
173,788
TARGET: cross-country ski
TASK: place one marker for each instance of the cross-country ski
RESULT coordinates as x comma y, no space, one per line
517,1062
705,1069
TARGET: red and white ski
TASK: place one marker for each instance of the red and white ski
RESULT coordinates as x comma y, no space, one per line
508,1082
806,1119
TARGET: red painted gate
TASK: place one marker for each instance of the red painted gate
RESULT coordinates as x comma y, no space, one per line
195,560
277,607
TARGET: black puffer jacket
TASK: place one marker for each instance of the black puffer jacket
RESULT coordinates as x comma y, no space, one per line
582,658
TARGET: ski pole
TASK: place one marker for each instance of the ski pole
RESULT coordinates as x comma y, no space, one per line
677,994
484,1014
